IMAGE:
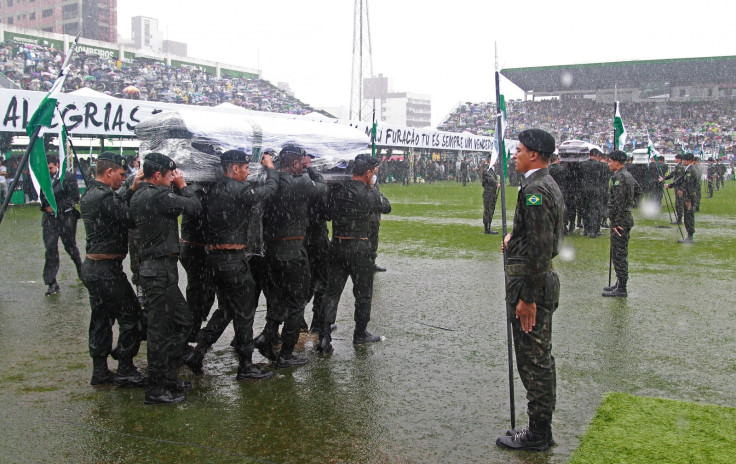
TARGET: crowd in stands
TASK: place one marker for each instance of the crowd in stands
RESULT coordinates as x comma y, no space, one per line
670,124
35,67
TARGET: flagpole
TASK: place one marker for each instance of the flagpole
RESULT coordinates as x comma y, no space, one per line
502,154
19,170
615,147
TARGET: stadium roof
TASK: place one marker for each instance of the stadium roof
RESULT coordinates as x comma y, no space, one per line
624,74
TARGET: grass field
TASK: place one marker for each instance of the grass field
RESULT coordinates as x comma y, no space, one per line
435,390
635,430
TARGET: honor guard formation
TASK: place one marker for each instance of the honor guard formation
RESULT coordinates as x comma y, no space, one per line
240,238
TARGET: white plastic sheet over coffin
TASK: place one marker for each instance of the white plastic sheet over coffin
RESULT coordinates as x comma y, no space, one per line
194,138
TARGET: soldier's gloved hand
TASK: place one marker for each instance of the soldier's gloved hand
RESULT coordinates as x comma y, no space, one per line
267,161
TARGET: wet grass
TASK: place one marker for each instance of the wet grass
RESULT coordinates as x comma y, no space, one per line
425,394
629,429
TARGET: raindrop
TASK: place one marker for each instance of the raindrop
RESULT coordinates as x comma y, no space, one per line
567,253
566,79
650,209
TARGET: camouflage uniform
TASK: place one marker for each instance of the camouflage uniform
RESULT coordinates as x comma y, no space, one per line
689,188
538,230
620,202
489,180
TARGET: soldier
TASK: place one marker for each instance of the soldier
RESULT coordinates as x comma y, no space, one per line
532,286
374,227
489,180
464,171
662,170
721,172
200,290
62,224
711,175
559,173
106,220
155,208
687,191
228,205
698,171
676,176
285,225
620,202
573,193
595,179
350,206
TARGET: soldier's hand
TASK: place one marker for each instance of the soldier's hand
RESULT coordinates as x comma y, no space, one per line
306,162
661,179
618,230
136,180
49,210
526,313
505,242
267,161
679,193
178,179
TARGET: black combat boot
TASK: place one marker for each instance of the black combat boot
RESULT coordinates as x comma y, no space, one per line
157,393
611,287
53,289
287,359
249,371
193,359
537,436
688,239
491,231
325,339
361,335
128,376
512,432
178,385
265,341
619,291
101,375
486,228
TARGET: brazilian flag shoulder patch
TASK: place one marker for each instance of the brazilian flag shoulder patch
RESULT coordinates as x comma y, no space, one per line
533,199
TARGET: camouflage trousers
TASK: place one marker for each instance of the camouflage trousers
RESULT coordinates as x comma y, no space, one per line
620,254
534,359
489,206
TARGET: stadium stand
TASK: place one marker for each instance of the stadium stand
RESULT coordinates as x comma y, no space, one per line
34,67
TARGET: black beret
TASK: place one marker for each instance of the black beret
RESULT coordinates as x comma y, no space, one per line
618,155
688,157
538,140
678,156
292,148
235,156
114,157
366,159
595,152
161,160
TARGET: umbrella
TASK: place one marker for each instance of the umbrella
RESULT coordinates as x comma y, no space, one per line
131,89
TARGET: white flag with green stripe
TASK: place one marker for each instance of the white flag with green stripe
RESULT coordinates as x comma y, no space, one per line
619,131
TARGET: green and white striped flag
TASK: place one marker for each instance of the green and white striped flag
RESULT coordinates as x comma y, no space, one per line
499,147
42,117
619,131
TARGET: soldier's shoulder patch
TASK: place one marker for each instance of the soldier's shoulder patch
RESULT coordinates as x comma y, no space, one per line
616,182
533,199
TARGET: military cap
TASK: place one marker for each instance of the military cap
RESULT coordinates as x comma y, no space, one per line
538,140
235,156
367,159
618,155
113,157
161,160
594,152
688,157
293,148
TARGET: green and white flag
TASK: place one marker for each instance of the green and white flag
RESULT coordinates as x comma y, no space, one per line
499,146
42,117
619,131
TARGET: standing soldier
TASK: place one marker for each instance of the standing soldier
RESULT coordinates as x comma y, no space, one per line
489,180
711,173
676,176
350,206
106,220
720,174
620,202
156,208
698,171
687,191
559,173
662,170
532,286
62,224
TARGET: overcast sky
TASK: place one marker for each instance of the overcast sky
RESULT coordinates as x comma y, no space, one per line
442,49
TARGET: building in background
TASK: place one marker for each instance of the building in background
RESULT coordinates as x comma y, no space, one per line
400,108
147,36
94,19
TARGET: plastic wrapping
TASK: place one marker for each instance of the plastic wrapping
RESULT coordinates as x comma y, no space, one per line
195,138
